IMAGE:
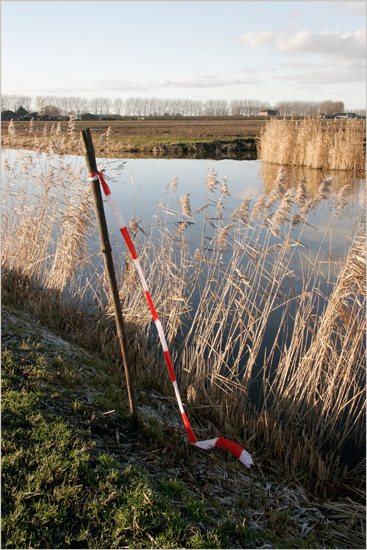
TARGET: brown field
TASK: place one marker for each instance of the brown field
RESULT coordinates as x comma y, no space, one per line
193,129
132,137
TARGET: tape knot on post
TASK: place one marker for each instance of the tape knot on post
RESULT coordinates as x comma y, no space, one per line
99,175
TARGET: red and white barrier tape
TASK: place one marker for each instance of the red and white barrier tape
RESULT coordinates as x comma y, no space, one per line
219,442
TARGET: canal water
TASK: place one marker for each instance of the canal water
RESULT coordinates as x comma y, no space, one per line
141,186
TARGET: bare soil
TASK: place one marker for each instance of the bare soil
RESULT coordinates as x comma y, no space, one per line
193,129
201,138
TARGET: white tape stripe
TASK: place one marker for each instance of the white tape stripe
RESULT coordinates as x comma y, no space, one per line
141,275
178,396
93,178
116,212
246,459
161,335
209,444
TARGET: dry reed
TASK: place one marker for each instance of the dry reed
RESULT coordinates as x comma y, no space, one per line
314,143
216,303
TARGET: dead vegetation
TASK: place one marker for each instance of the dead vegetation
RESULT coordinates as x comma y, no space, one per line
314,143
215,303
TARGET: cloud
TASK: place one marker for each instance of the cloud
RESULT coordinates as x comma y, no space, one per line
204,81
357,8
322,72
334,44
118,86
327,76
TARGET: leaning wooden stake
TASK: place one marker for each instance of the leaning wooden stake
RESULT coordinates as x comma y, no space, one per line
109,266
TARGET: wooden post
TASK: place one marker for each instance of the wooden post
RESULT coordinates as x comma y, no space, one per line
110,269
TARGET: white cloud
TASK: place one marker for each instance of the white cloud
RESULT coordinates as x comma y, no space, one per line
335,44
357,8
204,81
207,81
118,86
322,72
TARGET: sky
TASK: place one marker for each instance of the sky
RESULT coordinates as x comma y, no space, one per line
215,49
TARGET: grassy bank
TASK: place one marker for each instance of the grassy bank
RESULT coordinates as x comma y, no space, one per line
75,474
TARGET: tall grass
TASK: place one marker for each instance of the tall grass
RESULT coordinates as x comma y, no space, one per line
315,143
296,405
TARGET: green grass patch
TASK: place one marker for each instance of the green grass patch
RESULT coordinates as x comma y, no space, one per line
61,490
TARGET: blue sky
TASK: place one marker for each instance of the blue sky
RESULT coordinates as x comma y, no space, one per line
265,50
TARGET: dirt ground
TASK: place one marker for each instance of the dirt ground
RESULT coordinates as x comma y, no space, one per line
176,138
192,129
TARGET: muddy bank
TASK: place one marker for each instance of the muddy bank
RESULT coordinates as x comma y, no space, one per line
239,149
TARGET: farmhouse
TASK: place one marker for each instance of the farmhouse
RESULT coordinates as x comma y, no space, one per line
345,115
269,112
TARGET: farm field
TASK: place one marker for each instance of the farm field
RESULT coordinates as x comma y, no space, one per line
142,137
190,137
192,128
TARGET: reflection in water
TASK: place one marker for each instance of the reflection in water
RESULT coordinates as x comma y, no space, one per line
314,178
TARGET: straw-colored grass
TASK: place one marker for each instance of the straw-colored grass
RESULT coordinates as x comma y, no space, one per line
314,143
216,303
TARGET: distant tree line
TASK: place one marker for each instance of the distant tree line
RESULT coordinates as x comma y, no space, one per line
140,106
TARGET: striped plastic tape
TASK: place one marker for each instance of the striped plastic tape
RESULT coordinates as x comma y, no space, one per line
218,442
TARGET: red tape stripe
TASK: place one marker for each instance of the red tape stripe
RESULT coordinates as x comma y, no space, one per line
106,189
224,443
129,243
169,365
190,433
151,305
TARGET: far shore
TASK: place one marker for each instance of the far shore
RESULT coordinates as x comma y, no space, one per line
194,138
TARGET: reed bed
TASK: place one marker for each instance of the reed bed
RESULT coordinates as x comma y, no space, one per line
298,405
314,143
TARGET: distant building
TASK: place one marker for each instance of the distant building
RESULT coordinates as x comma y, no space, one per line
345,115
91,116
8,115
269,112
86,116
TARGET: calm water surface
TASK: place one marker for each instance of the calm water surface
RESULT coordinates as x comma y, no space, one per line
140,185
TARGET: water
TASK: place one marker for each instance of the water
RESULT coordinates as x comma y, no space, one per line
139,186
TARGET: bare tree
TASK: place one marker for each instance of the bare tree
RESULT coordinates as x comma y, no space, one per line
118,104
330,107
51,110
93,105
13,102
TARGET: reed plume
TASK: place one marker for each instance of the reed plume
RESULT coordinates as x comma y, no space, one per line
329,145
185,206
